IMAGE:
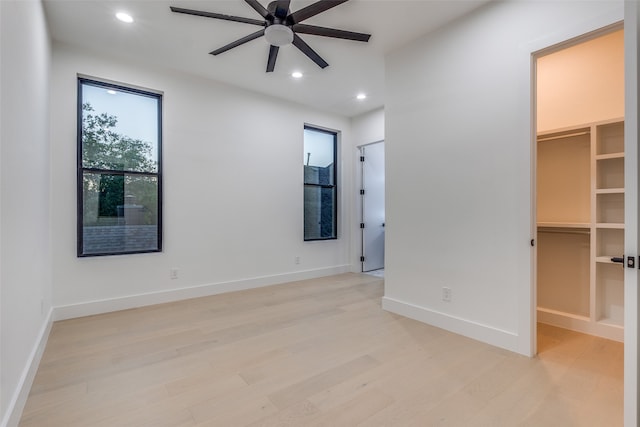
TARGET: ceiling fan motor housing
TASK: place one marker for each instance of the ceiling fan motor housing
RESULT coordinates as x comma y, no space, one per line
272,7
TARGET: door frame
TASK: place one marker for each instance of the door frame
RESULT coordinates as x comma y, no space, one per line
572,35
361,149
534,151
360,204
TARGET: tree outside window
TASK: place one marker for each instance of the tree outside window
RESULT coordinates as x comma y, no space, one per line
119,173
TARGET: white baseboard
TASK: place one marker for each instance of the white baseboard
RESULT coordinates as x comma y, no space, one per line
19,398
488,334
132,301
581,324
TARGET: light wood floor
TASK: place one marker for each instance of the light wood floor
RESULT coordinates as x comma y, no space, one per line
313,353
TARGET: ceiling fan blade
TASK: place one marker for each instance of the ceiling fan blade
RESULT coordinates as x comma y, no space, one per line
330,32
238,42
259,8
282,8
273,55
217,16
312,10
306,49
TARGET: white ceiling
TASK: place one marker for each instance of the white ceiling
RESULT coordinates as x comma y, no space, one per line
163,38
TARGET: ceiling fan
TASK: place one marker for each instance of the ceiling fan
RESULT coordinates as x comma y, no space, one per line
281,27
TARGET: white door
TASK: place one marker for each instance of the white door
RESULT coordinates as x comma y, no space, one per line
631,179
372,206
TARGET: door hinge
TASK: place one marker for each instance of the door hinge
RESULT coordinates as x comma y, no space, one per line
361,259
362,192
362,225
533,242
362,158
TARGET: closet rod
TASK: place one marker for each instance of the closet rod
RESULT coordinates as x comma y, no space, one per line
565,231
566,135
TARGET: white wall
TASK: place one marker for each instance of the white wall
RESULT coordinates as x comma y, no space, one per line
25,259
458,115
368,128
365,129
232,193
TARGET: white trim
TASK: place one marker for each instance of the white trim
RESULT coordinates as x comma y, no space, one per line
19,398
581,324
569,33
90,308
369,143
528,319
118,83
477,331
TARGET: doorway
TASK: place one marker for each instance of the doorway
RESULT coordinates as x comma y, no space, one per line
580,185
373,213
580,204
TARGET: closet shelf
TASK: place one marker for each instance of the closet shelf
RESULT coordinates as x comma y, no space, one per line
610,191
609,156
619,226
562,313
606,259
563,225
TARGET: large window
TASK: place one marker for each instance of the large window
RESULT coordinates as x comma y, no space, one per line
119,169
320,190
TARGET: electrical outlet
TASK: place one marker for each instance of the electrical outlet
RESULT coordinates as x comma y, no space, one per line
173,273
296,260
446,294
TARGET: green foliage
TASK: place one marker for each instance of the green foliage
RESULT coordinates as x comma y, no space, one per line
103,148
106,194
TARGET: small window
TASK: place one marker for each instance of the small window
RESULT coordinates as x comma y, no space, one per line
320,189
119,169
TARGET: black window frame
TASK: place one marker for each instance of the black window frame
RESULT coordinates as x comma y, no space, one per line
81,169
334,186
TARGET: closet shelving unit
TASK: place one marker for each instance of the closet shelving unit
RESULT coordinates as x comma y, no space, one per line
580,212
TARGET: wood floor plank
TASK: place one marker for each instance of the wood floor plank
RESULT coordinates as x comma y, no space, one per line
287,396
319,352
354,411
298,414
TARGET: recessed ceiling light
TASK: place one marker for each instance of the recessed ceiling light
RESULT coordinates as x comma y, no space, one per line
111,92
124,17
296,75
361,96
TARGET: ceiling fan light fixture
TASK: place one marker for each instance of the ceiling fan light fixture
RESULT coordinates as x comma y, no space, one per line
278,35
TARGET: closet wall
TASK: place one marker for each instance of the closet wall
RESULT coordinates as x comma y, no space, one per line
580,180
581,84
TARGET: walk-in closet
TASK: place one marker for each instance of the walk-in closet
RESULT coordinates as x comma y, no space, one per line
580,186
